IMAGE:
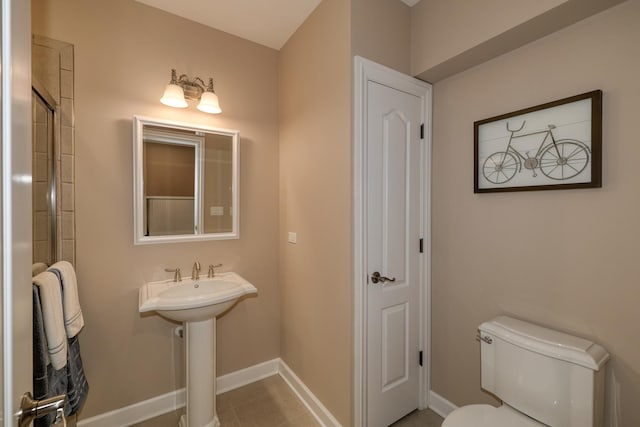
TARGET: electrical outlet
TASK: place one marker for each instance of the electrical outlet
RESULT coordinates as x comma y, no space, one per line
293,238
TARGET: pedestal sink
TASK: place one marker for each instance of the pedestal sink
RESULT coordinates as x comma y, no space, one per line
196,303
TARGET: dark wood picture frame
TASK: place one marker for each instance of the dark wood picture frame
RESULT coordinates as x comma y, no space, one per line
552,146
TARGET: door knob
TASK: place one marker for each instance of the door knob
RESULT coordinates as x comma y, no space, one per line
376,277
31,409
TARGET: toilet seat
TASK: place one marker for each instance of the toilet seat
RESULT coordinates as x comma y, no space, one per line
488,416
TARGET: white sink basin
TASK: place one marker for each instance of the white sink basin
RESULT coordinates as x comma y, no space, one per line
193,300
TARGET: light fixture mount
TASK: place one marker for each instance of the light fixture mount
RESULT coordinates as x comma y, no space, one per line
193,90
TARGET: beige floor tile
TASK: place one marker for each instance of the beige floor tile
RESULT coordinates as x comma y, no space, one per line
260,414
169,419
424,418
271,403
227,418
223,402
251,392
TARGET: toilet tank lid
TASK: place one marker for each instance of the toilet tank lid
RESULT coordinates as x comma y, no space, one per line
547,342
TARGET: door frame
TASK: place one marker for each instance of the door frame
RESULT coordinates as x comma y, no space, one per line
364,72
15,231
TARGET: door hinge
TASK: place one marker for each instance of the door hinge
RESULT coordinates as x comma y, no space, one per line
421,245
422,131
420,358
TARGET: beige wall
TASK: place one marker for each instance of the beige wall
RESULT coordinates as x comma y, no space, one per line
315,185
445,28
381,32
124,52
315,202
567,259
450,36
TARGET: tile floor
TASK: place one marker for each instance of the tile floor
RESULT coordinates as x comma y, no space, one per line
424,418
271,403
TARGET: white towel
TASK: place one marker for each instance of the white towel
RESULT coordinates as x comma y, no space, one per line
73,319
53,319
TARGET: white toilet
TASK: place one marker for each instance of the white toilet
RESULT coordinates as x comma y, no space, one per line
543,377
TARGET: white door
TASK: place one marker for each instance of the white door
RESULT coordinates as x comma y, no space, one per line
15,231
393,216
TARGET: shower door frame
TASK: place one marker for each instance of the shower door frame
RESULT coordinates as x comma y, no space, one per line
40,91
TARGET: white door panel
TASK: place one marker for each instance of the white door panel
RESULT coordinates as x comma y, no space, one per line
395,353
392,214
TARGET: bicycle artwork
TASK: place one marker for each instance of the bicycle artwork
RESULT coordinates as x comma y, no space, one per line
557,159
551,146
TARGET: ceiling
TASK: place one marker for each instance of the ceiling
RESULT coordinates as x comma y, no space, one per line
269,23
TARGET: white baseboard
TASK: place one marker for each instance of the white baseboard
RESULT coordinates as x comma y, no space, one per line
138,412
246,376
174,400
440,405
319,411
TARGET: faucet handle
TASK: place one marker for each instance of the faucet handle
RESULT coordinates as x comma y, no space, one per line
177,276
212,272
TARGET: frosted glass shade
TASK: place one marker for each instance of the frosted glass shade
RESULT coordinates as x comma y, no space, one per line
174,96
209,103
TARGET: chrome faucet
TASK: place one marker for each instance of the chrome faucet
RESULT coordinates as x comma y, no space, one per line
195,273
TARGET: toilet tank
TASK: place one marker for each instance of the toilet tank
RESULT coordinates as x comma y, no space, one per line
553,377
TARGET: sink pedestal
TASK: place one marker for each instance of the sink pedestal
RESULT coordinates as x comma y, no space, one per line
201,374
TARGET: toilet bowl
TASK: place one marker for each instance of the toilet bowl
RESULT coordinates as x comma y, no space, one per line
489,416
543,377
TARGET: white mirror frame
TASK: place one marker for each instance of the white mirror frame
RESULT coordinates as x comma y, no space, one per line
138,184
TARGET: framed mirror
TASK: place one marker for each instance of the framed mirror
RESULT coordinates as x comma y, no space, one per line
185,179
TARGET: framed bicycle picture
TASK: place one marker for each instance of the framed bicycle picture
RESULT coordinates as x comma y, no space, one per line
557,145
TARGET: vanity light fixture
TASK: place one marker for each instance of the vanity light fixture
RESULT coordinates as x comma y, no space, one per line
193,89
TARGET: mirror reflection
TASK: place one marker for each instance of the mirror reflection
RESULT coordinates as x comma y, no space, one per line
186,182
